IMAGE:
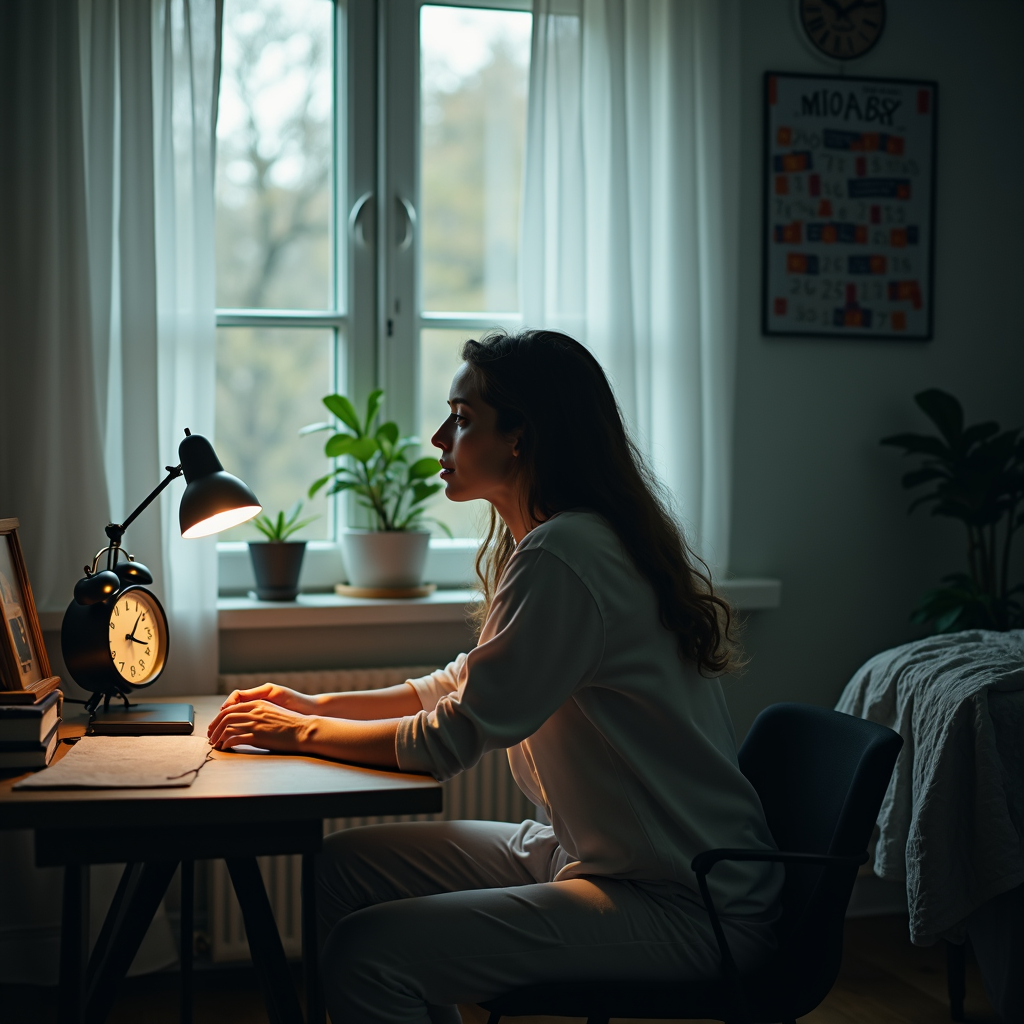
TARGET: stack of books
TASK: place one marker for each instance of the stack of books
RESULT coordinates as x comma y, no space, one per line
28,732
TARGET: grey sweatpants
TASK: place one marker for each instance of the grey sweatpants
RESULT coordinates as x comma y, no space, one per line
415,918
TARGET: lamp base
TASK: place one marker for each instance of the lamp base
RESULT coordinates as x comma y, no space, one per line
143,720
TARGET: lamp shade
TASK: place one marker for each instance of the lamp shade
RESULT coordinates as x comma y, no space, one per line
213,500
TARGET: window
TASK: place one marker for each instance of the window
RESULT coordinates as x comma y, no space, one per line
321,286
474,72
280,328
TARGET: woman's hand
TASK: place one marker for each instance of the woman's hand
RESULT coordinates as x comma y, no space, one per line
260,723
300,703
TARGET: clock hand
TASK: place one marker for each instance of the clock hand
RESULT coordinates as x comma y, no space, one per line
131,635
134,640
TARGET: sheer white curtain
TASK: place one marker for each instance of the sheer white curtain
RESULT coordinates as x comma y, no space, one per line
149,73
109,347
106,350
629,223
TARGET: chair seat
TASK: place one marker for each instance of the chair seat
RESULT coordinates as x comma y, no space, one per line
652,1000
779,996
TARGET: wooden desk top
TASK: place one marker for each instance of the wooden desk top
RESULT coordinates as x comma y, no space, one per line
230,788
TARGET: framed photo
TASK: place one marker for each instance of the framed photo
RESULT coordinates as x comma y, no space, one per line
24,665
849,207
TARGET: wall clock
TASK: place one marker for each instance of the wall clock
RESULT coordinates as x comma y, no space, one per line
842,29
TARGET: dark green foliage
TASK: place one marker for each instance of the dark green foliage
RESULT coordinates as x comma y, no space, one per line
377,467
974,474
284,525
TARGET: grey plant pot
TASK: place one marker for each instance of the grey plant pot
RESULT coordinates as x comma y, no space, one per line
390,559
276,565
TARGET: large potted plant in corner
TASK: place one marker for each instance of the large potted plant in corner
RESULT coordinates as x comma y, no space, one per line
974,474
277,561
376,468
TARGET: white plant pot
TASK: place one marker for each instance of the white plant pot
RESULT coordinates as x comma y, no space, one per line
388,558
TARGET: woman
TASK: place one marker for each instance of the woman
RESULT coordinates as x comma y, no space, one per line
595,670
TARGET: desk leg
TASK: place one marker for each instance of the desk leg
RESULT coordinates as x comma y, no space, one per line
145,891
99,950
310,947
188,881
264,941
74,944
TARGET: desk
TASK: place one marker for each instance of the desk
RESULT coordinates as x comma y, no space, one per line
240,807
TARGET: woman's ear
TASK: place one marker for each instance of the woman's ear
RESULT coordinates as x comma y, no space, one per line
516,437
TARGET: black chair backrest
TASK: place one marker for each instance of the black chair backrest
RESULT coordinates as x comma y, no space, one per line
821,776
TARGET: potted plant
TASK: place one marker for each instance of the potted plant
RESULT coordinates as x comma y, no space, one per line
277,561
392,553
976,475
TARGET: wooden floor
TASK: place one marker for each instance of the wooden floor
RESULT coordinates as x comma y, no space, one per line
884,980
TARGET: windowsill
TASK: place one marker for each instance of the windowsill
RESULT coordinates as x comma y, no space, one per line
332,610
746,595
311,610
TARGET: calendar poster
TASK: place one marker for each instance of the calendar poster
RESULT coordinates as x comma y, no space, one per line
848,206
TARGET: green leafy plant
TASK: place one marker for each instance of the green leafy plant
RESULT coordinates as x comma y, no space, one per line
281,527
377,467
976,475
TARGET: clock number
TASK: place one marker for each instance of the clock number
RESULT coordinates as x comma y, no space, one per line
117,610
143,617
132,667
142,665
121,663
149,634
111,625
126,606
148,652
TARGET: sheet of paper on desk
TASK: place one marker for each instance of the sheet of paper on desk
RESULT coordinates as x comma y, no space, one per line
124,762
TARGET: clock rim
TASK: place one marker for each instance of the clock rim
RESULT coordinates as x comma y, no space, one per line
798,6
158,671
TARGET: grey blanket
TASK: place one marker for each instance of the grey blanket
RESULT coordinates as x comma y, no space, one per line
951,819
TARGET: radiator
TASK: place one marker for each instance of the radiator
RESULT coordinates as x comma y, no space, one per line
486,792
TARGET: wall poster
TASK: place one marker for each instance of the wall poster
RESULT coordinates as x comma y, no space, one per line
849,205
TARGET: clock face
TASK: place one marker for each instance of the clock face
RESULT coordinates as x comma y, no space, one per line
843,29
137,636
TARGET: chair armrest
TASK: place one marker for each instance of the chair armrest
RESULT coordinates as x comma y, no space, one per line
704,862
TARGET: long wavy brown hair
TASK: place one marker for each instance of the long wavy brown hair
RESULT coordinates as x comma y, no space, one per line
575,453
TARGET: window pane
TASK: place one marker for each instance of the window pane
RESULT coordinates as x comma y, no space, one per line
274,155
269,384
475,73
439,359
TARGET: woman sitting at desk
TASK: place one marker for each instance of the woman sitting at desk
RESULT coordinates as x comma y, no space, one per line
594,668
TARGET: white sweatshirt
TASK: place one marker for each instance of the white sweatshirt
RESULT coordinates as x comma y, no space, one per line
629,750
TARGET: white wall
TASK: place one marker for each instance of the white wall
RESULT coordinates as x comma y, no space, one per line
818,502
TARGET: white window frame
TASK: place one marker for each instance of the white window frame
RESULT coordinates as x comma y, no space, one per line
375,287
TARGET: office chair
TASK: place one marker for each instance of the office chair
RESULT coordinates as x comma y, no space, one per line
821,777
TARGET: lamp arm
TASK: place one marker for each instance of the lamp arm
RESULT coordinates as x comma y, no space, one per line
115,531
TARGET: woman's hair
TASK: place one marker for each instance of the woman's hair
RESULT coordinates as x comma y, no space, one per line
575,453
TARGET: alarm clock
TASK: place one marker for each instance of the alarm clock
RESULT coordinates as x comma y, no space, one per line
114,637
842,29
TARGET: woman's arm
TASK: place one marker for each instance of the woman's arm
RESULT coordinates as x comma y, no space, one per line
361,705
265,724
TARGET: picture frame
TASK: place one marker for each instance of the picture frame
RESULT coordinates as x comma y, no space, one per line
848,236
25,675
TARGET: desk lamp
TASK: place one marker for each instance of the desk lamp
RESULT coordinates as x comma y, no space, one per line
115,637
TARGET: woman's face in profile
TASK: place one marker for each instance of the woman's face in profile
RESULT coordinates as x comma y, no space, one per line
476,459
